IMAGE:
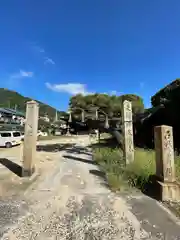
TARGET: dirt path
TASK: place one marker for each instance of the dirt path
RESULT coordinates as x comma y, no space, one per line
70,203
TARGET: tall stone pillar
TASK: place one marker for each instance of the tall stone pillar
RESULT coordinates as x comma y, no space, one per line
82,116
128,132
30,138
163,138
165,167
96,114
106,125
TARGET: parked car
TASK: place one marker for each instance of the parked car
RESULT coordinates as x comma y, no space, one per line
43,134
10,138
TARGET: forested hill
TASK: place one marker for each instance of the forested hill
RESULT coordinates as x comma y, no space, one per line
12,99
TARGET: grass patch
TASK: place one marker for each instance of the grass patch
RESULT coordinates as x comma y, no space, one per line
137,174
109,161
177,167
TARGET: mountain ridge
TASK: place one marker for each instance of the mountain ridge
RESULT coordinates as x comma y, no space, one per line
12,99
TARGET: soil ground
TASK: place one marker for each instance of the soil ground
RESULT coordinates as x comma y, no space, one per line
68,200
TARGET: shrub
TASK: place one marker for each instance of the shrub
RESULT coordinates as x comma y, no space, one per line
135,174
139,172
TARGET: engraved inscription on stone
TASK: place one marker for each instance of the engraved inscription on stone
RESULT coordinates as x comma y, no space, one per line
165,168
168,172
128,116
127,109
31,127
168,155
29,130
128,132
130,140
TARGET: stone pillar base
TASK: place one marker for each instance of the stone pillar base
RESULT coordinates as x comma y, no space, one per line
169,191
28,172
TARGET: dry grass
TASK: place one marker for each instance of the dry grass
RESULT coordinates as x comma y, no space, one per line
136,174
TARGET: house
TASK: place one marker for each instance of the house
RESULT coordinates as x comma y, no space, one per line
11,116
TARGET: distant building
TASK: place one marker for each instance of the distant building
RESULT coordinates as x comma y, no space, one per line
11,116
45,118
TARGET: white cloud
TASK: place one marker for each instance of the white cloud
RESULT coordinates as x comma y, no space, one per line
48,60
37,48
75,88
70,88
42,52
22,74
114,92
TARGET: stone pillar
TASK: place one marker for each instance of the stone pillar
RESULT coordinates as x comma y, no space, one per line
68,126
96,114
106,125
165,167
68,131
128,132
70,118
98,135
30,138
82,116
163,138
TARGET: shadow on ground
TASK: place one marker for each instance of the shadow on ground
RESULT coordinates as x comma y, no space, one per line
104,143
17,169
54,147
102,177
98,173
13,167
151,188
80,159
79,150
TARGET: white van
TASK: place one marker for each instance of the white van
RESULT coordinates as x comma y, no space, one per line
10,138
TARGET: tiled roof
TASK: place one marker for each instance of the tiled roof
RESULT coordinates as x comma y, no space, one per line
3,110
11,111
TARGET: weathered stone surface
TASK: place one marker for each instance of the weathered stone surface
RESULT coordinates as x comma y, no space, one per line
30,138
127,111
82,116
170,191
165,168
128,132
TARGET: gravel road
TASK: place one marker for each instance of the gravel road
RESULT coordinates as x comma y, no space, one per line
70,203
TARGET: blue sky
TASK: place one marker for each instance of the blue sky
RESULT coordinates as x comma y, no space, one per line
51,49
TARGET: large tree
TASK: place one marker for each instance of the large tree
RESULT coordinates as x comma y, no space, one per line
110,104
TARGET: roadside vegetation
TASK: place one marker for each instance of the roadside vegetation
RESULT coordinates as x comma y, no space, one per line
138,174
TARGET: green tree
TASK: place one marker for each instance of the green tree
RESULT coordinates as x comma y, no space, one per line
110,104
137,102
